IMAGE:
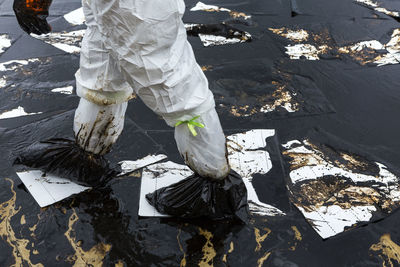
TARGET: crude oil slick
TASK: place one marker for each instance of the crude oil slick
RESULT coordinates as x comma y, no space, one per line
290,66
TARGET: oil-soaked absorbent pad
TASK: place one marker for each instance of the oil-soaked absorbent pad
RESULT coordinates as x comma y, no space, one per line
48,189
248,155
336,187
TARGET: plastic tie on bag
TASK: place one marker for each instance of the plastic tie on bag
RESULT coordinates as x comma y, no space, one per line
191,124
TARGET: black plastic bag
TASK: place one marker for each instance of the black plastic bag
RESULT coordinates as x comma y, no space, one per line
199,197
64,158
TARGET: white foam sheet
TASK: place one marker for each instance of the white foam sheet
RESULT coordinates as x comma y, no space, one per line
49,189
247,156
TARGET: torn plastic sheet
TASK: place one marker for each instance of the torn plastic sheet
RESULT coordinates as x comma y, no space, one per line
17,112
365,52
69,42
376,6
63,90
247,155
217,34
337,190
393,47
17,70
129,166
75,17
5,42
294,35
306,51
210,40
15,64
200,6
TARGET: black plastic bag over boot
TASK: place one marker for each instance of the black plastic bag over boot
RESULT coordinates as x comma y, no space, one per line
199,197
64,158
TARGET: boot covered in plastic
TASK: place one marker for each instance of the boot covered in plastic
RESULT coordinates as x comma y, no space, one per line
214,191
201,197
81,160
65,158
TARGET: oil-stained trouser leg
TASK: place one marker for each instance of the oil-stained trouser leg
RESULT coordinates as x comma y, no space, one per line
99,118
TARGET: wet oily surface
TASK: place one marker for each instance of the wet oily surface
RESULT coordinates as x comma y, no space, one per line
337,190
284,65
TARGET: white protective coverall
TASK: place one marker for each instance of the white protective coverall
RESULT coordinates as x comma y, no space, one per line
140,46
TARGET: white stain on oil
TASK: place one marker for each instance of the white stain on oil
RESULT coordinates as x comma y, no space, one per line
332,220
128,166
3,82
294,35
306,51
15,64
5,42
283,99
363,51
247,156
200,6
376,45
214,40
317,167
376,7
75,17
69,42
17,112
63,90
393,48
330,207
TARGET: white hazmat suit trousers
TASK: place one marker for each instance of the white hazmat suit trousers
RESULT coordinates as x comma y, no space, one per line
140,46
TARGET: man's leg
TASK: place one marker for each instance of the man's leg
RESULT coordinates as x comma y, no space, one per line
149,40
99,118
